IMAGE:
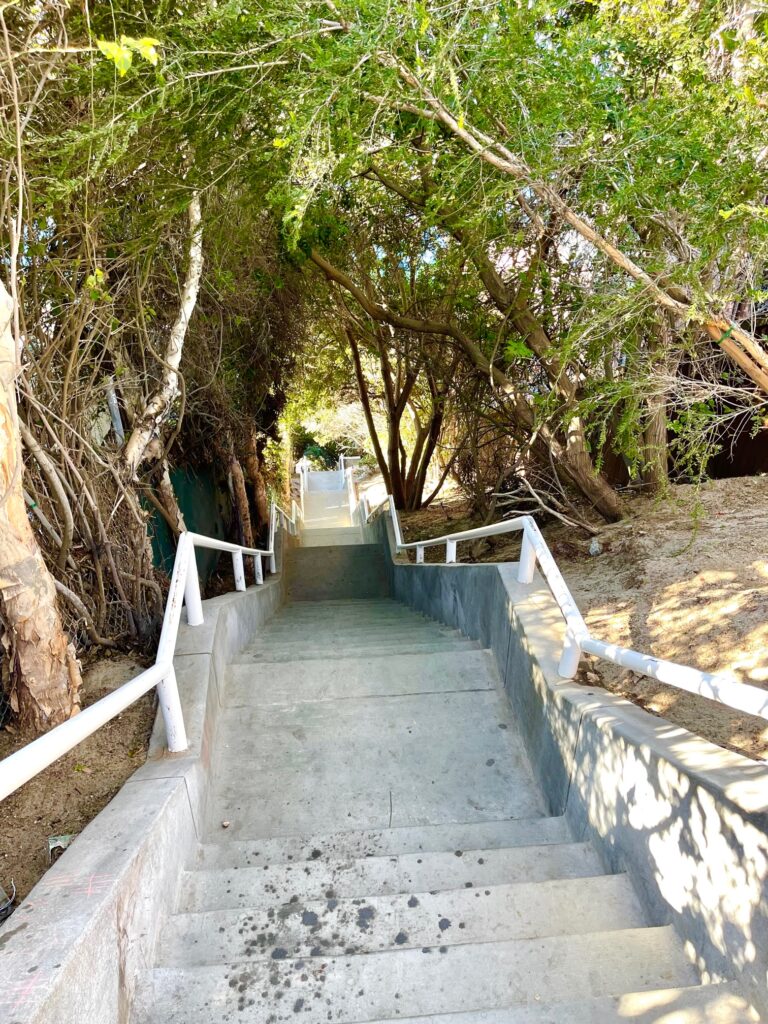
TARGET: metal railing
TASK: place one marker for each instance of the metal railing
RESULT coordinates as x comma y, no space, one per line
719,687
30,760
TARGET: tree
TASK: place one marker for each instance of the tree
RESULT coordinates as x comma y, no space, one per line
47,678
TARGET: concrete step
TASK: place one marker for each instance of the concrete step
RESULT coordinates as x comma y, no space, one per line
369,763
383,842
298,651
321,534
435,979
700,1004
331,605
410,874
342,631
333,927
344,571
366,676
322,481
333,615
351,638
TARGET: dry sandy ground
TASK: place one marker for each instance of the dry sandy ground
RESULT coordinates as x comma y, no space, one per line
684,578
66,796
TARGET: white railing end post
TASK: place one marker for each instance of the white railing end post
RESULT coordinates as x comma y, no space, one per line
239,570
571,656
173,717
420,554
450,552
192,598
258,570
527,564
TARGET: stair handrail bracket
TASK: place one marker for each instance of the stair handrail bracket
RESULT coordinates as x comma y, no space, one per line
719,687
34,757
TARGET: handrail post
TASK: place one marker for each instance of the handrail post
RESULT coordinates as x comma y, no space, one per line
395,523
173,717
258,570
239,570
420,554
571,656
450,552
192,598
527,564
272,532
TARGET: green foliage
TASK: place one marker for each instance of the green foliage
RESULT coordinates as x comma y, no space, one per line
121,53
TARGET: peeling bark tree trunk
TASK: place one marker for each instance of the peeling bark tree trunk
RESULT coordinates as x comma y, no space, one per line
167,497
242,507
253,469
148,423
45,674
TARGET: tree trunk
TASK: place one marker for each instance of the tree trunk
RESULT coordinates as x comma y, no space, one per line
148,423
365,401
45,674
168,499
242,507
253,469
574,460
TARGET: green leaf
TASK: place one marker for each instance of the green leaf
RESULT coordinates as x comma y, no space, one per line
146,47
119,54
516,348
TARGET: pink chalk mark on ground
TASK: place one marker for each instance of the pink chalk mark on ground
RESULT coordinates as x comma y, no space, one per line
20,992
78,885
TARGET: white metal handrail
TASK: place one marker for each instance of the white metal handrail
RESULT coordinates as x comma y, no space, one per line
720,687
368,511
24,764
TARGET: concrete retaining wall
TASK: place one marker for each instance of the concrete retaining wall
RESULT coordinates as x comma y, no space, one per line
686,819
71,951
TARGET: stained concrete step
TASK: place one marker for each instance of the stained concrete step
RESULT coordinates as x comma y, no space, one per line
384,842
435,979
369,763
701,1004
366,676
410,873
333,927
377,648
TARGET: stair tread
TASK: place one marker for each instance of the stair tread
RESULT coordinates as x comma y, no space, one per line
359,843
300,652
361,763
437,979
720,1003
333,927
315,679
411,873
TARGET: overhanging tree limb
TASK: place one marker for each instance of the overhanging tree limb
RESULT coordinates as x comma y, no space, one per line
737,343
159,405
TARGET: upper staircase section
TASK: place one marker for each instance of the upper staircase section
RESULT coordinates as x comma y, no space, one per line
327,504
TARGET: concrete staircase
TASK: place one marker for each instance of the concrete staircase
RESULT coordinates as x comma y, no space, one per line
327,520
377,849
